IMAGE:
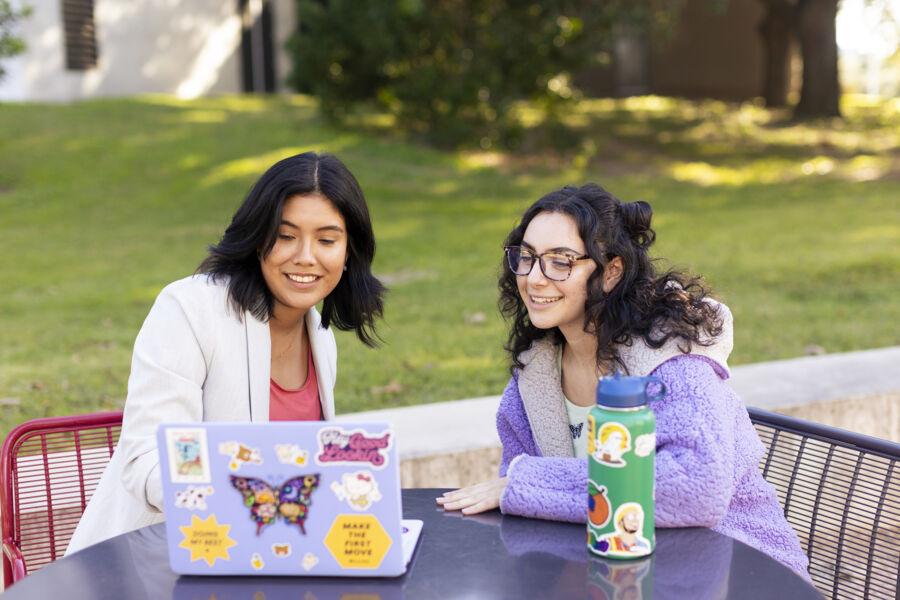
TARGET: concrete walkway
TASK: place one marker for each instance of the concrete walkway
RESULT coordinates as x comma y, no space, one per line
812,379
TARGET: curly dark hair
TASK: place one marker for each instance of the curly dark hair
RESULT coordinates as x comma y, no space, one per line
655,307
357,301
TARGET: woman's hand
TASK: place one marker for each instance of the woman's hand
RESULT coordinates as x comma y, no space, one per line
475,498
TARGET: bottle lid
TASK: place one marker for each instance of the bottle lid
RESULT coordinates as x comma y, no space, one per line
621,391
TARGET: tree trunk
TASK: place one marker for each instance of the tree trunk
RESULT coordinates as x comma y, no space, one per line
776,30
820,92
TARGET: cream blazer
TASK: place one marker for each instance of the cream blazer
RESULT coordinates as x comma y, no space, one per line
194,360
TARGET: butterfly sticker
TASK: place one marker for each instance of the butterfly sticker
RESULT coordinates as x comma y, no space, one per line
291,499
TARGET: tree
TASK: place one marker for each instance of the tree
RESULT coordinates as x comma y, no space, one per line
813,24
10,44
453,70
777,32
820,91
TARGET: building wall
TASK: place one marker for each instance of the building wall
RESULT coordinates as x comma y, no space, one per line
188,48
712,53
285,26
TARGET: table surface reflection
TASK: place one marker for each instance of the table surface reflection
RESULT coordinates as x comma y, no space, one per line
484,556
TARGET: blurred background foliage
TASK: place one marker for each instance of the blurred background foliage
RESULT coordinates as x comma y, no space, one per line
10,43
452,70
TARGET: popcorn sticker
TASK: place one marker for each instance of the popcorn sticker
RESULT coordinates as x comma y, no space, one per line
359,489
645,444
310,560
291,454
240,454
256,561
193,497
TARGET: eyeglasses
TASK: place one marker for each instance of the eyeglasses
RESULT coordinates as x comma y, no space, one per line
554,266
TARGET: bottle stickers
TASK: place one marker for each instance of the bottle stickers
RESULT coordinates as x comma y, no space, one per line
620,454
612,441
645,445
627,539
284,507
599,509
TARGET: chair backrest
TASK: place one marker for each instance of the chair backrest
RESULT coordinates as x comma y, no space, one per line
841,494
49,469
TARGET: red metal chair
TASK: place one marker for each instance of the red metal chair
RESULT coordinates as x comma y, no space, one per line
49,469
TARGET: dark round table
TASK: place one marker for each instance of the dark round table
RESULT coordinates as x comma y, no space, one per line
484,556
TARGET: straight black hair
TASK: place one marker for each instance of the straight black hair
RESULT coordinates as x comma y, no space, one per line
358,298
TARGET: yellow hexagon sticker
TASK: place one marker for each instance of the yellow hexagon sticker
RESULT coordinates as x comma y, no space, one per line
358,541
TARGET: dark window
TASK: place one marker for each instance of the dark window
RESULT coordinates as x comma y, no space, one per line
81,38
257,46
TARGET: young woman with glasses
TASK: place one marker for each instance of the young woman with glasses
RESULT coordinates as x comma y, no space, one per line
584,300
241,340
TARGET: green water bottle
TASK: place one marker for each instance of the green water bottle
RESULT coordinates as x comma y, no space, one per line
621,460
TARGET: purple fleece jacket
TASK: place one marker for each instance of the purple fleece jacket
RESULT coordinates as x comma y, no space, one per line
707,456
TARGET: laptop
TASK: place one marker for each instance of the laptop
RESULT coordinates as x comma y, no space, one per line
284,498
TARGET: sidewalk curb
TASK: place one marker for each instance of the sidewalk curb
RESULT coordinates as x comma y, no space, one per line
463,426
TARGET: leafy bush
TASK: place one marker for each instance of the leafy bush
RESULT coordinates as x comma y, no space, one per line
448,69
10,44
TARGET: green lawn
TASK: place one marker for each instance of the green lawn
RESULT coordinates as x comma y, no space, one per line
102,203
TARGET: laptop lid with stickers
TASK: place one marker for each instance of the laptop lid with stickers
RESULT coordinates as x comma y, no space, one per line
285,498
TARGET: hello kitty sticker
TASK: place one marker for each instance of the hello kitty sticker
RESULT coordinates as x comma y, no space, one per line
338,446
358,489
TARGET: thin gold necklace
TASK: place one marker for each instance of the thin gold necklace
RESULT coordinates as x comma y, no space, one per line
291,345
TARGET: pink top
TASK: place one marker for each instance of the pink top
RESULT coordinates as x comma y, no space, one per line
296,405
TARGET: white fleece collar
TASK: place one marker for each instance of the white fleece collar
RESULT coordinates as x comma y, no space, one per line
541,389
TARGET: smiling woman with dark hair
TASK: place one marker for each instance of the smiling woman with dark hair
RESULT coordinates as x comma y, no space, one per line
256,231
241,340
584,300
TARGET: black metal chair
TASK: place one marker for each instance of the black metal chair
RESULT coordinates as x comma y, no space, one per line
841,494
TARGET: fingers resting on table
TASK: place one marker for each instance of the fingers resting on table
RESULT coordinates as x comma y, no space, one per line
476,498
